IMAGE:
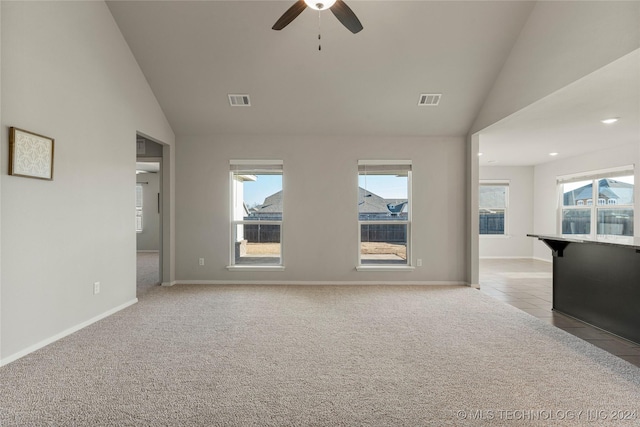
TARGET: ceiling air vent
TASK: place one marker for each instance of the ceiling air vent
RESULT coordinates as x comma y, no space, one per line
429,99
239,100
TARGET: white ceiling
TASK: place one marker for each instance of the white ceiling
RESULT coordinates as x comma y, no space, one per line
568,122
194,54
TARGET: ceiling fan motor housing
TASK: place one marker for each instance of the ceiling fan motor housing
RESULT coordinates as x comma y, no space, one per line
319,5
341,11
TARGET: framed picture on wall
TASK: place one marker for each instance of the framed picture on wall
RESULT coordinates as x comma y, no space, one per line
30,154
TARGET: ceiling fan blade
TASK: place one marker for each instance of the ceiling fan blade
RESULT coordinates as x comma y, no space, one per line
346,16
291,14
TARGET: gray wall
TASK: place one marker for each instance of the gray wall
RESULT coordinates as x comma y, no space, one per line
149,238
70,76
520,215
151,149
320,185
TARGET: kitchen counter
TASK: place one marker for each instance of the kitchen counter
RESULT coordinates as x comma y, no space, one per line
597,280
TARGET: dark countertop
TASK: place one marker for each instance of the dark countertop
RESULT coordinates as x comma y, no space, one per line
621,241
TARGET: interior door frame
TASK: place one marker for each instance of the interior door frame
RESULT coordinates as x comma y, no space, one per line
167,210
160,215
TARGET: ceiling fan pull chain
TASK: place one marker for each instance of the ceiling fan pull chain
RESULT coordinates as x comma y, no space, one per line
319,37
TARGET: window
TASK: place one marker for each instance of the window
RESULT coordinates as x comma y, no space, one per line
493,199
139,202
384,212
577,204
612,215
256,213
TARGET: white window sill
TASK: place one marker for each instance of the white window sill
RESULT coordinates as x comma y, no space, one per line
495,236
255,267
385,268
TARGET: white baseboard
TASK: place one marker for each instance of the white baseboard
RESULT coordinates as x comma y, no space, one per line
168,283
64,333
310,282
516,257
505,257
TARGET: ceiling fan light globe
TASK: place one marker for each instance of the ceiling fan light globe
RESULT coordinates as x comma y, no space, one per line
319,5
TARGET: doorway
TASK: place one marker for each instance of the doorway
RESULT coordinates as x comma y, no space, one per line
148,215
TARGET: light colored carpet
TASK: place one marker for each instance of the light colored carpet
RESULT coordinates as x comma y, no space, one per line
318,355
147,271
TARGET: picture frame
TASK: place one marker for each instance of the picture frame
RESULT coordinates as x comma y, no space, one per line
30,154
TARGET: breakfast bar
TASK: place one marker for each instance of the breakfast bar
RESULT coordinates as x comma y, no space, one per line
597,281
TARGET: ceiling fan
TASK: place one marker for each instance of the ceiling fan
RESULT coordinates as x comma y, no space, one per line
341,11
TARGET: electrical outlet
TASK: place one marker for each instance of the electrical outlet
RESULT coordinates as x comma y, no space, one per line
96,288
201,261
419,262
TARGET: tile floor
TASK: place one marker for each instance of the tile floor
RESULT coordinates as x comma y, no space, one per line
527,285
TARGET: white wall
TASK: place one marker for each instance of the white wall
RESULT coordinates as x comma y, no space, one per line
68,73
561,42
320,218
520,214
149,238
546,189
472,220
168,214
1,163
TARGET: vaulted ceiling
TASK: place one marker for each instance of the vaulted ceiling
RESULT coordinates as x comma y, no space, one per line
195,53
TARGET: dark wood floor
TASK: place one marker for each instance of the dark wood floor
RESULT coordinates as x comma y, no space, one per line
527,285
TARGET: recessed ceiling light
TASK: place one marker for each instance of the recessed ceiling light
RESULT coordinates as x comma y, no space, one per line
553,154
609,121
479,154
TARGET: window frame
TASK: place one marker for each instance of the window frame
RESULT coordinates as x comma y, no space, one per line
594,208
497,183
254,165
408,222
